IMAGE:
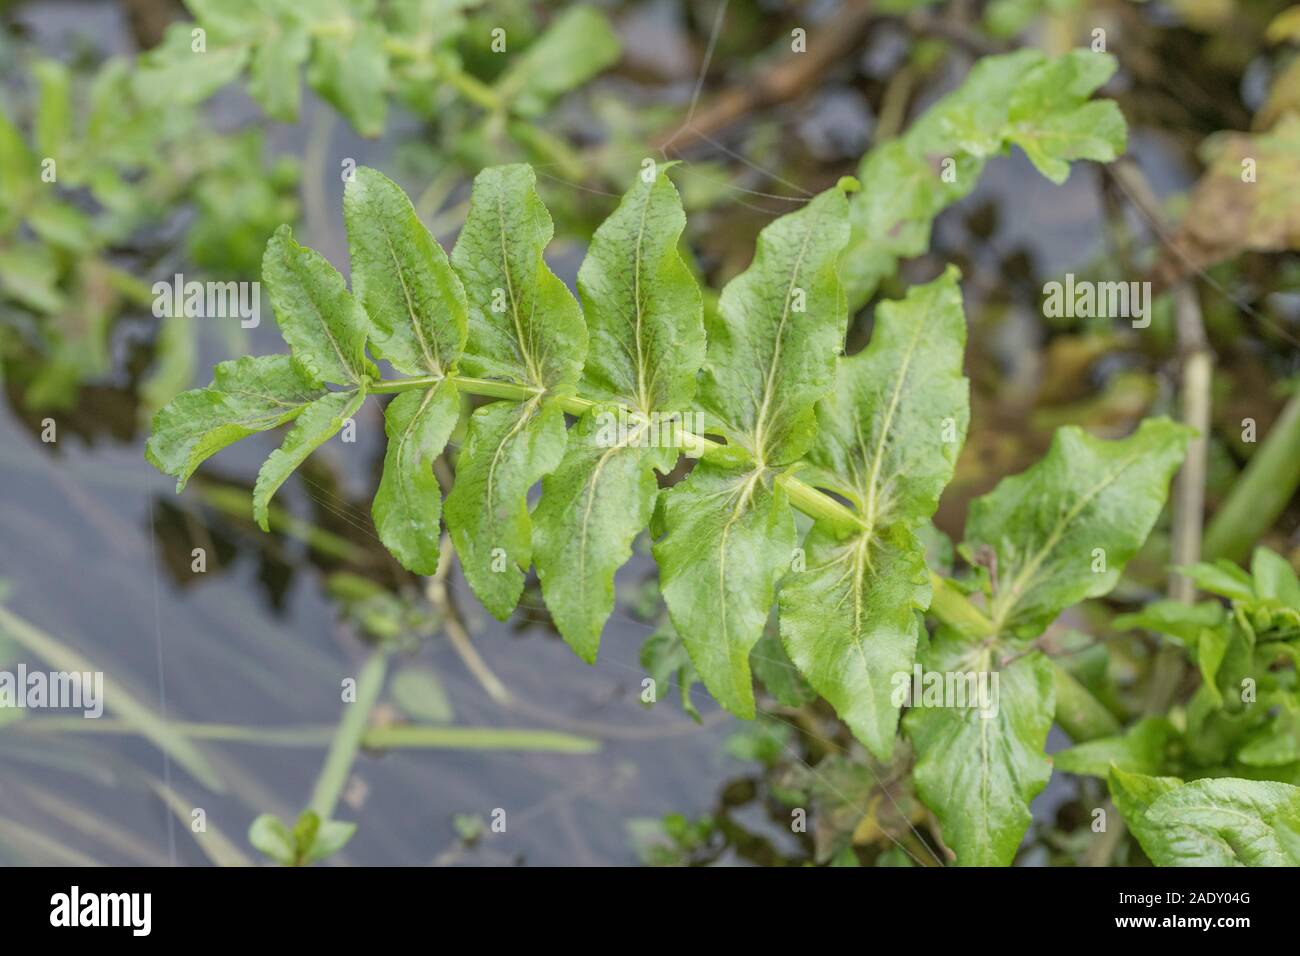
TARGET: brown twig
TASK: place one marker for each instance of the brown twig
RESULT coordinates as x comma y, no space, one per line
790,77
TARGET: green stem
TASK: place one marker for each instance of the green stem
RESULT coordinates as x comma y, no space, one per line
473,89
348,738
234,502
1080,714
949,604
479,738
821,506
953,608
1261,492
549,147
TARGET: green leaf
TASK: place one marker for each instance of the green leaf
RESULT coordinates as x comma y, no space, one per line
592,508
1275,578
729,537
1023,98
643,311
1006,18
408,502
19,172
229,21
420,695
979,773
62,224
849,624
1063,530
1277,742
247,395
1220,822
1223,578
401,276
641,303
1141,749
29,274
665,658
351,72
508,448
1211,649
1174,618
1133,793
273,74
323,324
1080,689
1049,119
888,438
525,326
270,836
53,120
1286,830
728,531
315,425
577,46
330,837
175,74
778,329
777,673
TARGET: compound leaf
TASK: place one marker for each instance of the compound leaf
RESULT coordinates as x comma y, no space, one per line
644,317
1024,98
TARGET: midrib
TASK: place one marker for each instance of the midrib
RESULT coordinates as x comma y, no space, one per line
873,481
760,422
524,349
430,360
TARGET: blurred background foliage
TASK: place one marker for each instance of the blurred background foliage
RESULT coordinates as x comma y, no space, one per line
169,162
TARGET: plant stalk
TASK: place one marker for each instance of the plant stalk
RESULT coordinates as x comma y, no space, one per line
1261,492
349,736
